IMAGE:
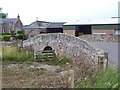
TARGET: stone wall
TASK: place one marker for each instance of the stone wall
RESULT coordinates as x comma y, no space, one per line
76,48
18,43
18,25
33,32
100,37
7,27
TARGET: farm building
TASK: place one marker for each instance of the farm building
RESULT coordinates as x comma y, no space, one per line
106,26
39,27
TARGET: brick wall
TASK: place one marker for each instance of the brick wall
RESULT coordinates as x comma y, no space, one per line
103,31
70,32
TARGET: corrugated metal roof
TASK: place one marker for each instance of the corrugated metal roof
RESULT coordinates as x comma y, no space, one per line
94,22
8,20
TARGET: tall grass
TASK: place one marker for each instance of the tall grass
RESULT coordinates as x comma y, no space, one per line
1,36
107,78
15,54
58,60
9,51
0,48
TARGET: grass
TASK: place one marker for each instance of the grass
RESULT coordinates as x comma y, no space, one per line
104,79
57,60
9,51
15,54
22,54
1,36
0,48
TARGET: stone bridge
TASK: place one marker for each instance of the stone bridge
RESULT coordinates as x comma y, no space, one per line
74,47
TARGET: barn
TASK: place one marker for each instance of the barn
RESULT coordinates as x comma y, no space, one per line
101,26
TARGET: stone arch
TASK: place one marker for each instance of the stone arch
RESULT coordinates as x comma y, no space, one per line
56,47
48,48
49,52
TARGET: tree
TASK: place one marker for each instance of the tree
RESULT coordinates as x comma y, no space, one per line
3,15
21,35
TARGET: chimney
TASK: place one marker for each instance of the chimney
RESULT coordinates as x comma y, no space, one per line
36,18
18,16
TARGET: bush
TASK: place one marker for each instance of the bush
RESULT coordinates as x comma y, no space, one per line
6,33
21,35
20,32
6,38
22,56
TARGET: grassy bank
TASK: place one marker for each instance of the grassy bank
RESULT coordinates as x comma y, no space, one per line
107,78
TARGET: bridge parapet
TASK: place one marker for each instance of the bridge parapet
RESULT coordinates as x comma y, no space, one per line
77,48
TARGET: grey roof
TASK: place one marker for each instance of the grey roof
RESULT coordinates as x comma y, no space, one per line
37,24
56,25
8,20
44,25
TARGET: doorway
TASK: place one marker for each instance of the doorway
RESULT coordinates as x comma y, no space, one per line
82,29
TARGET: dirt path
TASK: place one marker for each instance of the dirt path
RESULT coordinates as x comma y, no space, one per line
31,76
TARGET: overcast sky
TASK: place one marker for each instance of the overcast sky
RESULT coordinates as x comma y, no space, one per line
59,10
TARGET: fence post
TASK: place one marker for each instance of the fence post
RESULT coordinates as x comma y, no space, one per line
35,54
100,61
103,60
106,60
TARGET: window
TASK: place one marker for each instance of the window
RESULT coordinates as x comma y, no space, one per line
117,32
9,30
3,30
